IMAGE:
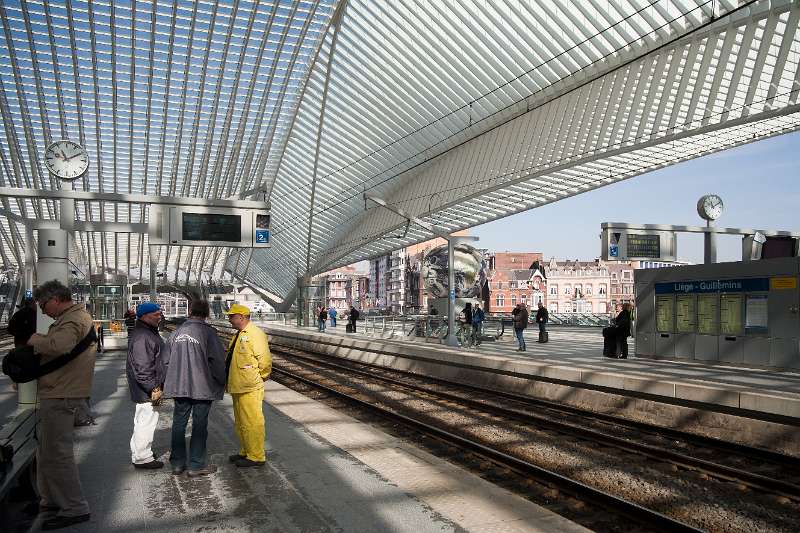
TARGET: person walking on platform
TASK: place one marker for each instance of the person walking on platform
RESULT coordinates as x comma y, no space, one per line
352,318
622,329
332,315
194,364
322,316
478,317
145,371
247,365
541,319
61,392
520,323
22,324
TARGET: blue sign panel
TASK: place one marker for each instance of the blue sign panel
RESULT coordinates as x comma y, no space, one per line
613,251
28,294
713,285
262,236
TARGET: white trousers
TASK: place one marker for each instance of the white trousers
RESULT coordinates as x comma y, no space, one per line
144,426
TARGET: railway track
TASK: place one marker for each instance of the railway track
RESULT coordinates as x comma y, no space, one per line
784,472
732,465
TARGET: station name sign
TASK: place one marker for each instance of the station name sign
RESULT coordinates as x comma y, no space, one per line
713,285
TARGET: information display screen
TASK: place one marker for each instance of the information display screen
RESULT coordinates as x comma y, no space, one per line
644,246
211,227
665,310
685,313
730,314
707,307
756,316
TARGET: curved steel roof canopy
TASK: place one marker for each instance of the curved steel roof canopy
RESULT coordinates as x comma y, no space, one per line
456,111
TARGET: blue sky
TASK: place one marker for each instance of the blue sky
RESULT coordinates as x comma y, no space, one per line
759,184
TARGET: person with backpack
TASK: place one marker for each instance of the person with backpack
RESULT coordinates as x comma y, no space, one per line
61,392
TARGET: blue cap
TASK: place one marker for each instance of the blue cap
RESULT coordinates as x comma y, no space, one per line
146,307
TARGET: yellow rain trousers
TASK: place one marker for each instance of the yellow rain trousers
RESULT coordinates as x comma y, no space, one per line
250,423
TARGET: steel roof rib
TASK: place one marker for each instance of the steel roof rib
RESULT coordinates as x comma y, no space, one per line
461,111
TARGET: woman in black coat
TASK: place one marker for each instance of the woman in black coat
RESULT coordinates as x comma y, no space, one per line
622,326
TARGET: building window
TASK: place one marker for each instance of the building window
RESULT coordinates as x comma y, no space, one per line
553,290
602,289
522,299
500,300
626,289
567,289
588,289
513,300
626,274
553,307
499,284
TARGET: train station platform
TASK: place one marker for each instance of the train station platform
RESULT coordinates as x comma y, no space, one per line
325,472
752,406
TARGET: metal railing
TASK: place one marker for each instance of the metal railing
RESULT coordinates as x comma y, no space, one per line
426,328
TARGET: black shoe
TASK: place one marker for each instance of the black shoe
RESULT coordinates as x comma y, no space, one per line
64,521
235,457
208,469
152,465
177,471
245,462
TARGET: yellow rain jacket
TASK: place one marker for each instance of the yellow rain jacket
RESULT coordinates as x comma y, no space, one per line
251,362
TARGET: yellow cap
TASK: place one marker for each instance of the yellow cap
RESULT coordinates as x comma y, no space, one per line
238,309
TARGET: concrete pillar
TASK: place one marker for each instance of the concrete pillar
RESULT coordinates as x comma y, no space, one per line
52,264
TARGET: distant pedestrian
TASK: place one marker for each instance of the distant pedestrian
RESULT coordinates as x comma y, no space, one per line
22,323
520,323
323,317
478,317
622,329
248,365
332,313
194,365
145,371
354,314
542,317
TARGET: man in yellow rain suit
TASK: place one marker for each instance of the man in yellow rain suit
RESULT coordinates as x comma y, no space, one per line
248,366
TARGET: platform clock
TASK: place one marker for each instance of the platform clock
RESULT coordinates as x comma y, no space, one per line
709,207
66,160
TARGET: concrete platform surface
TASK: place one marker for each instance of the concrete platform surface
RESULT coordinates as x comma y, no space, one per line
575,355
325,472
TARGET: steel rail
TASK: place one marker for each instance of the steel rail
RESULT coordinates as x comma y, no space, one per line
603,499
752,480
699,440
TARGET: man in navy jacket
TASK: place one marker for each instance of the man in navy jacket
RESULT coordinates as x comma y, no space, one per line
145,372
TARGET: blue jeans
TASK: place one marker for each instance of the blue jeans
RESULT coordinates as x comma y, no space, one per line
321,324
520,339
197,444
333,321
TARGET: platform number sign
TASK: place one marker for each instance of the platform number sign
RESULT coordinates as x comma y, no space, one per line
262,229
613,245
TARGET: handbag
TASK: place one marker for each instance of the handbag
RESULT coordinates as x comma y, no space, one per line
22,364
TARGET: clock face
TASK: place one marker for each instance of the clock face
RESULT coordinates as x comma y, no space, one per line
710,207
66,160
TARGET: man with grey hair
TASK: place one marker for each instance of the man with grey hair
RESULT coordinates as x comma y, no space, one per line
61,393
